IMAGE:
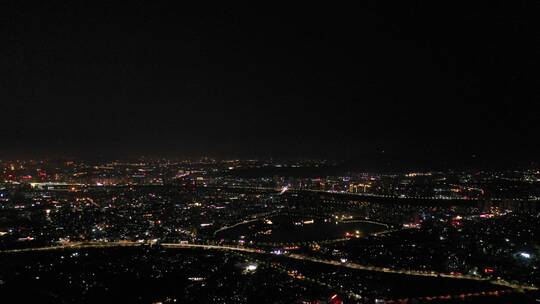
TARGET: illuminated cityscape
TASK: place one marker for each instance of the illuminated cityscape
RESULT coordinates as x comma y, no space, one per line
161,152
362,237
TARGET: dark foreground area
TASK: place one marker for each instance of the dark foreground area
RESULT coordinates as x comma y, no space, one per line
155,275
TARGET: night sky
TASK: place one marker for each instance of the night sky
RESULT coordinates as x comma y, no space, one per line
413,80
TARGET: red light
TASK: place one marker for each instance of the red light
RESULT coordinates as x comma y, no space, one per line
335,300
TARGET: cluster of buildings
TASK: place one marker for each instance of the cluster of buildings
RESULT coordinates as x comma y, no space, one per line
484,224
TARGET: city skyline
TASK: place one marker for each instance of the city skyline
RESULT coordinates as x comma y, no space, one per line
157,152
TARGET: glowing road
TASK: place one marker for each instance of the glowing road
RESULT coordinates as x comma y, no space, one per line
84,245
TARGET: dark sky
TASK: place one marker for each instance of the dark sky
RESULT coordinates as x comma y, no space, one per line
412,79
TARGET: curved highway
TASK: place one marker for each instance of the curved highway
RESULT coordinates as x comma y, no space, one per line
83,245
